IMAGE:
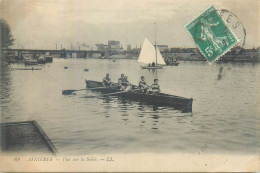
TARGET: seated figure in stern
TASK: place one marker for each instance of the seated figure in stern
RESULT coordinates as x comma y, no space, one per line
155,88
153,64
107,81
142,85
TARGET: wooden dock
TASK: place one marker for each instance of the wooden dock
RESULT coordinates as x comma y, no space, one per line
25,136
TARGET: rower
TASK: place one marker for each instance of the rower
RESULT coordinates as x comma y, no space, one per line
106,80
153,64
125,84
121,79
142,85
155,87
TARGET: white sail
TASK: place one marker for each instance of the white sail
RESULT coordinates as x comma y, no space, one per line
160,59
147,54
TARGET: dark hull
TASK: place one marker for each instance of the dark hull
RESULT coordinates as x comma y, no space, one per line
176,102
28,62
49,58
173,64
100,87
180,103
151,67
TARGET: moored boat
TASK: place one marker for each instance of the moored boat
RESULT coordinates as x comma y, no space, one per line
173,64
41,60
30,61
161,99
170,61
49,58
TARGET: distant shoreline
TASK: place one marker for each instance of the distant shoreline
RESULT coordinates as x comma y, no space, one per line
252,57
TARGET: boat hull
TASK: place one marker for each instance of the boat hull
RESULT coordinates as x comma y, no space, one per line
151,67
49,58
179,103
31,62
99,87
173,64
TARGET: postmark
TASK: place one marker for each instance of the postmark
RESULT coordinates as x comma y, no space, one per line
233,22
211,35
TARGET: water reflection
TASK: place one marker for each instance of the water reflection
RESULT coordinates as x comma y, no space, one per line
5,90
143,112
155,116
107,99
5,81
147,115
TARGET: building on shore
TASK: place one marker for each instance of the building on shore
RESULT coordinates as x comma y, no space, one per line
162,47
114,46
128,48
101,47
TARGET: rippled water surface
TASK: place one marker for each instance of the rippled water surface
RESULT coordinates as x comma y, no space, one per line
225,115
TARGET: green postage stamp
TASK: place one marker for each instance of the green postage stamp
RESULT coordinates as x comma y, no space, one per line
211,34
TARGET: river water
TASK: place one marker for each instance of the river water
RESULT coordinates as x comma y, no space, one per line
225,116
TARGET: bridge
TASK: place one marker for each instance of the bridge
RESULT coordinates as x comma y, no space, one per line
62,52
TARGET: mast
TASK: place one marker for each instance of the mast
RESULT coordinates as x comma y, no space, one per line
155,46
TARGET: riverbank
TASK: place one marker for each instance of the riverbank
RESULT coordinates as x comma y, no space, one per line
253,58
241,57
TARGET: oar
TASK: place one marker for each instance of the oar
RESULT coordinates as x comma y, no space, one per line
110,94
68,92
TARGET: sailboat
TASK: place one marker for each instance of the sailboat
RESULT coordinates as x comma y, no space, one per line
150,54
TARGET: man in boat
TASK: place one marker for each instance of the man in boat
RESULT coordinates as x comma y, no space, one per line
142,85
155,88
106,80
153,64
125,84
121,79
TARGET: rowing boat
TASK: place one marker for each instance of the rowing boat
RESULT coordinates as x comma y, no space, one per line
161,99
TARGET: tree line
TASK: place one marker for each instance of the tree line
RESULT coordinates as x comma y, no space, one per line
6,37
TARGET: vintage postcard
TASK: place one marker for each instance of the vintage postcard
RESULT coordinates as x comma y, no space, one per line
129,86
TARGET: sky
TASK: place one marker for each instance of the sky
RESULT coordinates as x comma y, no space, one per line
41,24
